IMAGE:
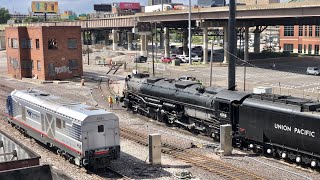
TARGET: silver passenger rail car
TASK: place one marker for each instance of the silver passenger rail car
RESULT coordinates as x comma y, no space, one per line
85,135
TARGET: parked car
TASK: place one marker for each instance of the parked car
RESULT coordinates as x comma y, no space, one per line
166,60
183,58
187,78
140,59
313,70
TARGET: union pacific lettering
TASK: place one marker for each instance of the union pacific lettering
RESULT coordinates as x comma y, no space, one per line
300,131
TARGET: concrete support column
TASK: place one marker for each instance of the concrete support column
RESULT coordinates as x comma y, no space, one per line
143,39
82,39
256,43
115,40
185,42
93,38
161,39
129,38
166,43
205,45
246,43
106,38
120,38
147,42
225,44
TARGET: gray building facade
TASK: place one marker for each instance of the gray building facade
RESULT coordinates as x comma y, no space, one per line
156,2
211,3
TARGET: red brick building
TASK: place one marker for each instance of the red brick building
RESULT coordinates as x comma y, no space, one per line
46,52
303,39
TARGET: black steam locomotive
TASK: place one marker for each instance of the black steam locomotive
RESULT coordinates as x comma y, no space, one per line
283,126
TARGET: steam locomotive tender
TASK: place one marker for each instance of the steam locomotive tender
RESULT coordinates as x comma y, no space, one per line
85,135
283,126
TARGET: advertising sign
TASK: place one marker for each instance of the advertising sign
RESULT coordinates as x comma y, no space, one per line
44,7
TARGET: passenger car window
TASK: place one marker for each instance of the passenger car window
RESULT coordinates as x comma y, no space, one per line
100,128
58,123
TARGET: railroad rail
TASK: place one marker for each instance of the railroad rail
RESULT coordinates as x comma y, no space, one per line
212,165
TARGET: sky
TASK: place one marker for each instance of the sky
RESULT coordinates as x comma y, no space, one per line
78,6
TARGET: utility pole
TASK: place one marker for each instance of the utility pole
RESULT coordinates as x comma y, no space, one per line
211,59
152,49
87,42
161,5
189,22
232,45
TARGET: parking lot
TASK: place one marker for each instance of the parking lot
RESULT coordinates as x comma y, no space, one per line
289,76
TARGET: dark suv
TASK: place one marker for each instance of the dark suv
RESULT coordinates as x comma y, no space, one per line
140,59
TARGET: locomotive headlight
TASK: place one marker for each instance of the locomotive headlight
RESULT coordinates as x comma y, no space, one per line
283,155
251,146
269,151
313,163
298,159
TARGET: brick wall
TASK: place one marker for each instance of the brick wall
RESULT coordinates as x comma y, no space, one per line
305,40
47,64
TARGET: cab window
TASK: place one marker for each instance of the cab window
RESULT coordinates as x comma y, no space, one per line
100,128
224,107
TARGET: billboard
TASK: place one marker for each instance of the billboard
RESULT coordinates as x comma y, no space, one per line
44,6
129,6
102,7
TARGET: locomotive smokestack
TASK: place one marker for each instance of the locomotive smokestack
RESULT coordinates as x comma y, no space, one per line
232,45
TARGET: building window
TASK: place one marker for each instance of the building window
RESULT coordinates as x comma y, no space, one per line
14,62
300,30
14,43
310,30
72,43
26,64
305,31
309,48
317,34
37,43
100,128
304,49
52,44
316,49
288,48
73,65
32,65
58,123
288,30
26,43
38,65
299,48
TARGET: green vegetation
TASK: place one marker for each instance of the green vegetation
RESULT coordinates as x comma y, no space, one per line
4,15
34,19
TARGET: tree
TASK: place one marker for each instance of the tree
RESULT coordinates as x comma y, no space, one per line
33,19
4,15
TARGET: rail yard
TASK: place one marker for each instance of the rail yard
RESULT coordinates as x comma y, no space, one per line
200,160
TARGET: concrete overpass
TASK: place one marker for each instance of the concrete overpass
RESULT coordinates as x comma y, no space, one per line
247,16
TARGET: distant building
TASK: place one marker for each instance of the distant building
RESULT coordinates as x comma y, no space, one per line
45,52
302,39
210,3
156,2
252,2
68,15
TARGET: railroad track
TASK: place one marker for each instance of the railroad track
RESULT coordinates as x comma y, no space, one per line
212,165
